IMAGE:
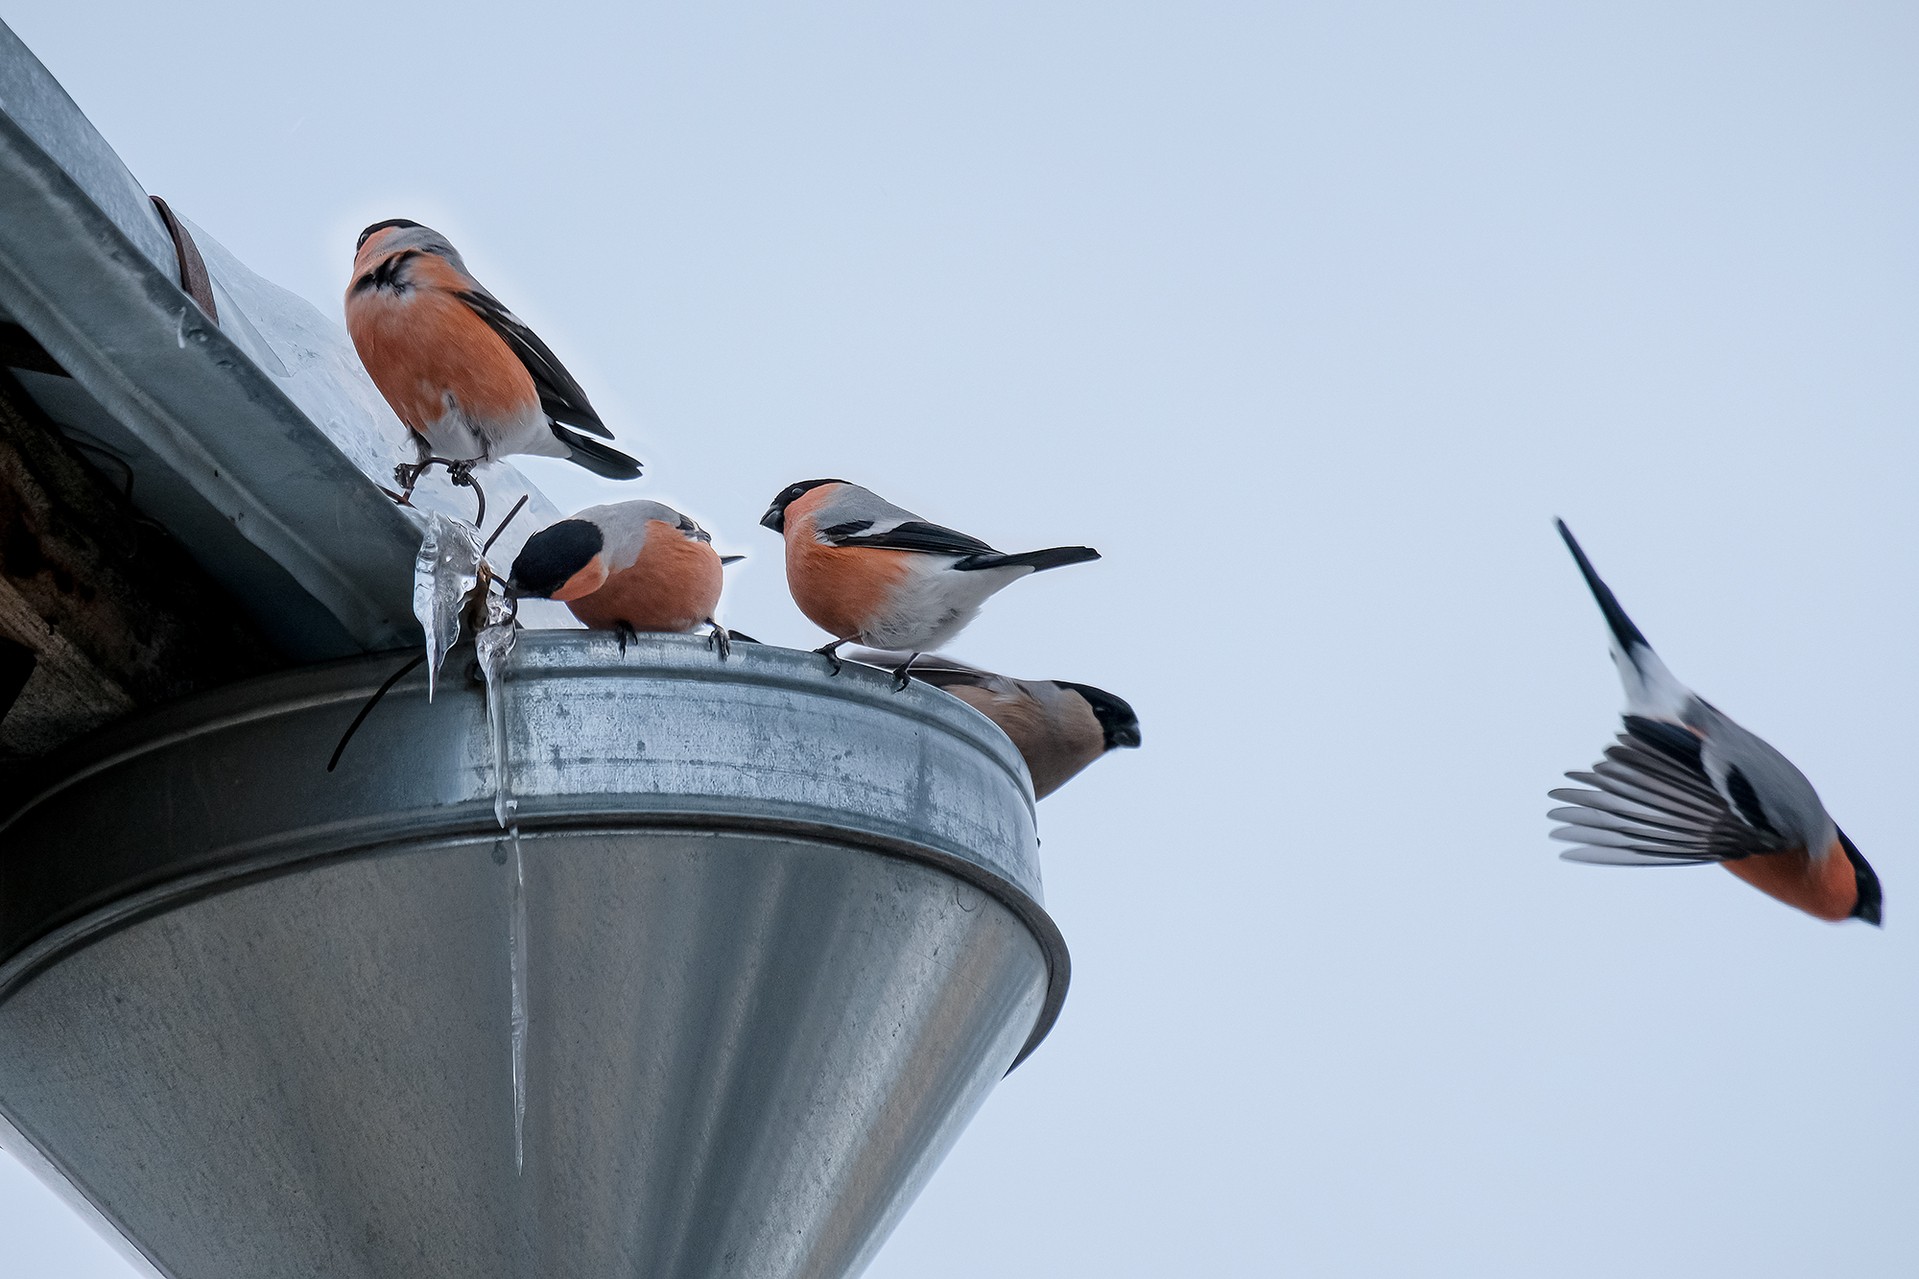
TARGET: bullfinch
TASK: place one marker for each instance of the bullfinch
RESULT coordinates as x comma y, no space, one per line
1684,784
627,567
1058,726
471,380
863,569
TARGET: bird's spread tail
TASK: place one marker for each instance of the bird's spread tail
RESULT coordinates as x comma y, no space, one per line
1622,628
601,459
1038,561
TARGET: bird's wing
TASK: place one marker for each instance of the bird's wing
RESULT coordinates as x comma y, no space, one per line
855,516
908,535
941,671
934,668
1653,805
560,396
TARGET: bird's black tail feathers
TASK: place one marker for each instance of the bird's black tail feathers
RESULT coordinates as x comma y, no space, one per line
1622,628
1038,561
596,457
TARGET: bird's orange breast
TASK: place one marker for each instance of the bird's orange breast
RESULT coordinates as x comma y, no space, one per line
672,585
842,589
1825,888
424,345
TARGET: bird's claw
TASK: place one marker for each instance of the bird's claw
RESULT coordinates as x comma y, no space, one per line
718,639
900,676
623,633
407,476
828,651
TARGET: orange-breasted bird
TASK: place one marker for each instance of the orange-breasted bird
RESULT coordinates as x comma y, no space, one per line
471,380
1059,727
626,567
863,569
1684,784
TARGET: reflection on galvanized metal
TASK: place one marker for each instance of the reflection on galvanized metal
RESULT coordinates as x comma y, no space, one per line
783,933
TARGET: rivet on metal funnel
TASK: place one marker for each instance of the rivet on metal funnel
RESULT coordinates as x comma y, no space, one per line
783,935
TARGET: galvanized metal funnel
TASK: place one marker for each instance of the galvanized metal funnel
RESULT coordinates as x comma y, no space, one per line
779,935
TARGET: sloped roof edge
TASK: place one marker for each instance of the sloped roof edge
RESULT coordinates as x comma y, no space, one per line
278,507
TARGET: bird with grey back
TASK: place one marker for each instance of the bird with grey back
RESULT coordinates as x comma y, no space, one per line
627,567
1684,784
865,570
465,374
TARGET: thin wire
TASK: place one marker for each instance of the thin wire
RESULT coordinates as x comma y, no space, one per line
503,523
367,710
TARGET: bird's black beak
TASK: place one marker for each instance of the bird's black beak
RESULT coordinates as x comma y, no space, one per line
730,559
775,518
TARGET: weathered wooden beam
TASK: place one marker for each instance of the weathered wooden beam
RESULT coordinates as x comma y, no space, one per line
115,615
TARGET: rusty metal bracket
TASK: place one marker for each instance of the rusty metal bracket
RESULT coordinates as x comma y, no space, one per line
193,268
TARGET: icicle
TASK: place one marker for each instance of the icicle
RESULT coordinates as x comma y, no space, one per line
493,645
516,959
444,572
447,577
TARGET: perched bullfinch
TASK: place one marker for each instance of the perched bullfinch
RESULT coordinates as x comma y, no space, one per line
1685,784
461,370
863,569
1059,727
626,568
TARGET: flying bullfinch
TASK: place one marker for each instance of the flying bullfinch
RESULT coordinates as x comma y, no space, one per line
1684,784
1059,727
863,569
461,370
626,568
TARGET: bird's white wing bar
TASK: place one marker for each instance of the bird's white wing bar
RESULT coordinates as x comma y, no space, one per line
908,535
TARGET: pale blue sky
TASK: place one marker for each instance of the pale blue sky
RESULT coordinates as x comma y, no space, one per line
1311,318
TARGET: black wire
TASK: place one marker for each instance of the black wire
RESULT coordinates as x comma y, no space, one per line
503,523
367,710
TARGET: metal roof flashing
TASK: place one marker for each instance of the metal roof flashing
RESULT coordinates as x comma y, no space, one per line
258,441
